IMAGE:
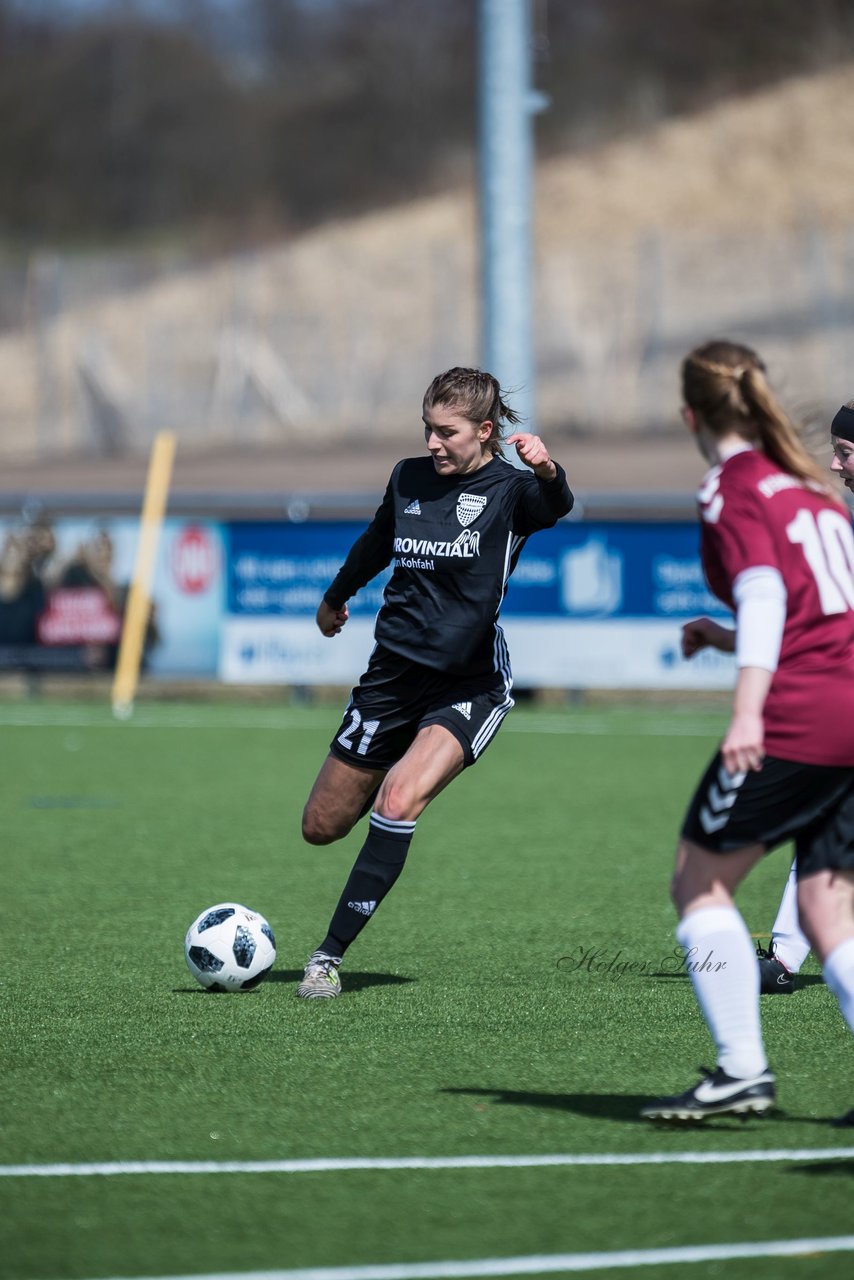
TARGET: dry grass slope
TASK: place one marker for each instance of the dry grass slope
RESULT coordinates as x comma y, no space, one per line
361,311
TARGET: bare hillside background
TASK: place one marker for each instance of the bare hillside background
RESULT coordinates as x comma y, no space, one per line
269,242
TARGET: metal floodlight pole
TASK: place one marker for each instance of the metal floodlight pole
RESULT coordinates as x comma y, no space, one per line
507,106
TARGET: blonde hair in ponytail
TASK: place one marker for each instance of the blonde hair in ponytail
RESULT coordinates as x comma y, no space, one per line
726,386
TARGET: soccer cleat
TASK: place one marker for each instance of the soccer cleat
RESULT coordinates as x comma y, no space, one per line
717,1094
320,980
844,1122
774,978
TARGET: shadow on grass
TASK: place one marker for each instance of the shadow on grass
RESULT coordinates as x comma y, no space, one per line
204,991
602,1106
622,1107
826,1168
350,982
802,980
354,982
808,980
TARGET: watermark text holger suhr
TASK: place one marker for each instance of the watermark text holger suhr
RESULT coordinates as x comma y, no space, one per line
616,964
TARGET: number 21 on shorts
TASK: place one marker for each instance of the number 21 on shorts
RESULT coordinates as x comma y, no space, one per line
368,728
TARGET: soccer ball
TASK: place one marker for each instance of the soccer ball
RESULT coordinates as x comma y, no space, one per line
229,948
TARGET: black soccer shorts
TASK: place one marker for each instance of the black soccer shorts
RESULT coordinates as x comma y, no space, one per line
396,697
811,804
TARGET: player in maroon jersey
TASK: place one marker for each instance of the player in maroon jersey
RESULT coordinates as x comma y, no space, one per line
781,961
778,549
789,947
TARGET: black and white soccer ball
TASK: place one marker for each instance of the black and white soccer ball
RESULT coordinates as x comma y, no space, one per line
229,948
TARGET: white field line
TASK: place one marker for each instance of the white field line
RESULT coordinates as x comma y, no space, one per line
48,718
543,1264
110,1169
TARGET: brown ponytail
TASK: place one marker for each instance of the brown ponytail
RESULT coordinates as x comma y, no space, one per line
477,396
726,386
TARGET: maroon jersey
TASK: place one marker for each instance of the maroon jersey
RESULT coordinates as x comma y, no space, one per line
756,515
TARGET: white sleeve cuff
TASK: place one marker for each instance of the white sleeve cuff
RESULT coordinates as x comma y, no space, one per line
760,600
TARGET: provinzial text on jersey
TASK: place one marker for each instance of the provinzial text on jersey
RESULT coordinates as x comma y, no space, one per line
467,545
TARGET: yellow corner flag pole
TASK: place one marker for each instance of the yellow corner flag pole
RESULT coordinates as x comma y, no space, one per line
139,599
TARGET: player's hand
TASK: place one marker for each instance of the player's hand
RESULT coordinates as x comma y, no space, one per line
743,747
703,633
533,453
331,621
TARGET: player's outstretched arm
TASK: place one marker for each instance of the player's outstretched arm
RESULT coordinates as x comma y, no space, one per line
331,620
534,454
704,633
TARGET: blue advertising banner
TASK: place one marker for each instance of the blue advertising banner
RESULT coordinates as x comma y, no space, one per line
594,604
282,568
595,570
605,570
589,603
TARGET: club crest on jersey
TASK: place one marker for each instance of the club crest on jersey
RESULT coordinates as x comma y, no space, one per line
469,507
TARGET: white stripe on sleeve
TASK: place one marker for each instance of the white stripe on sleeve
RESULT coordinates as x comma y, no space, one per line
760,599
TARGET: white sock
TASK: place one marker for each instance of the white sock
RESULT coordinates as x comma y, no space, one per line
721,963
839,976
790,945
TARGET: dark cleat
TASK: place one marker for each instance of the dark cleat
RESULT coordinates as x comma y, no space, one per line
774,978
716,1094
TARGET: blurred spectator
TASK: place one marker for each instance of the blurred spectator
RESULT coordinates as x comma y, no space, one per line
40,542
62,615
91,565
22,594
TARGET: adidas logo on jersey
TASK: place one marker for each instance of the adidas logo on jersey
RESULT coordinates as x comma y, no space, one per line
363,908
464,709
414,508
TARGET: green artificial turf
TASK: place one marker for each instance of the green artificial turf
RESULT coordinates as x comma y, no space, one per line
519,993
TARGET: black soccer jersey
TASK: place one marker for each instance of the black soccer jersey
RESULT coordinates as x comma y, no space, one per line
454,541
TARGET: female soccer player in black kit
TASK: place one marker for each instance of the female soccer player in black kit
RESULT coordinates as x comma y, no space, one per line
438,681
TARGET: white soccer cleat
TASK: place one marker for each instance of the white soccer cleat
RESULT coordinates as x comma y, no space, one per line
320,980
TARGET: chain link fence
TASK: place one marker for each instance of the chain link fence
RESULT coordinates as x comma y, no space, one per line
337,334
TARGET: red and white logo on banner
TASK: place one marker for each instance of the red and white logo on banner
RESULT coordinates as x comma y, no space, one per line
193,560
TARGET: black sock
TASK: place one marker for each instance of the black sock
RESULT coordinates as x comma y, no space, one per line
377,867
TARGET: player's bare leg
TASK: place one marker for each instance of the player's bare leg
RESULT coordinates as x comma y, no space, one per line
704,879
826,912
339,797
432,761
337,800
